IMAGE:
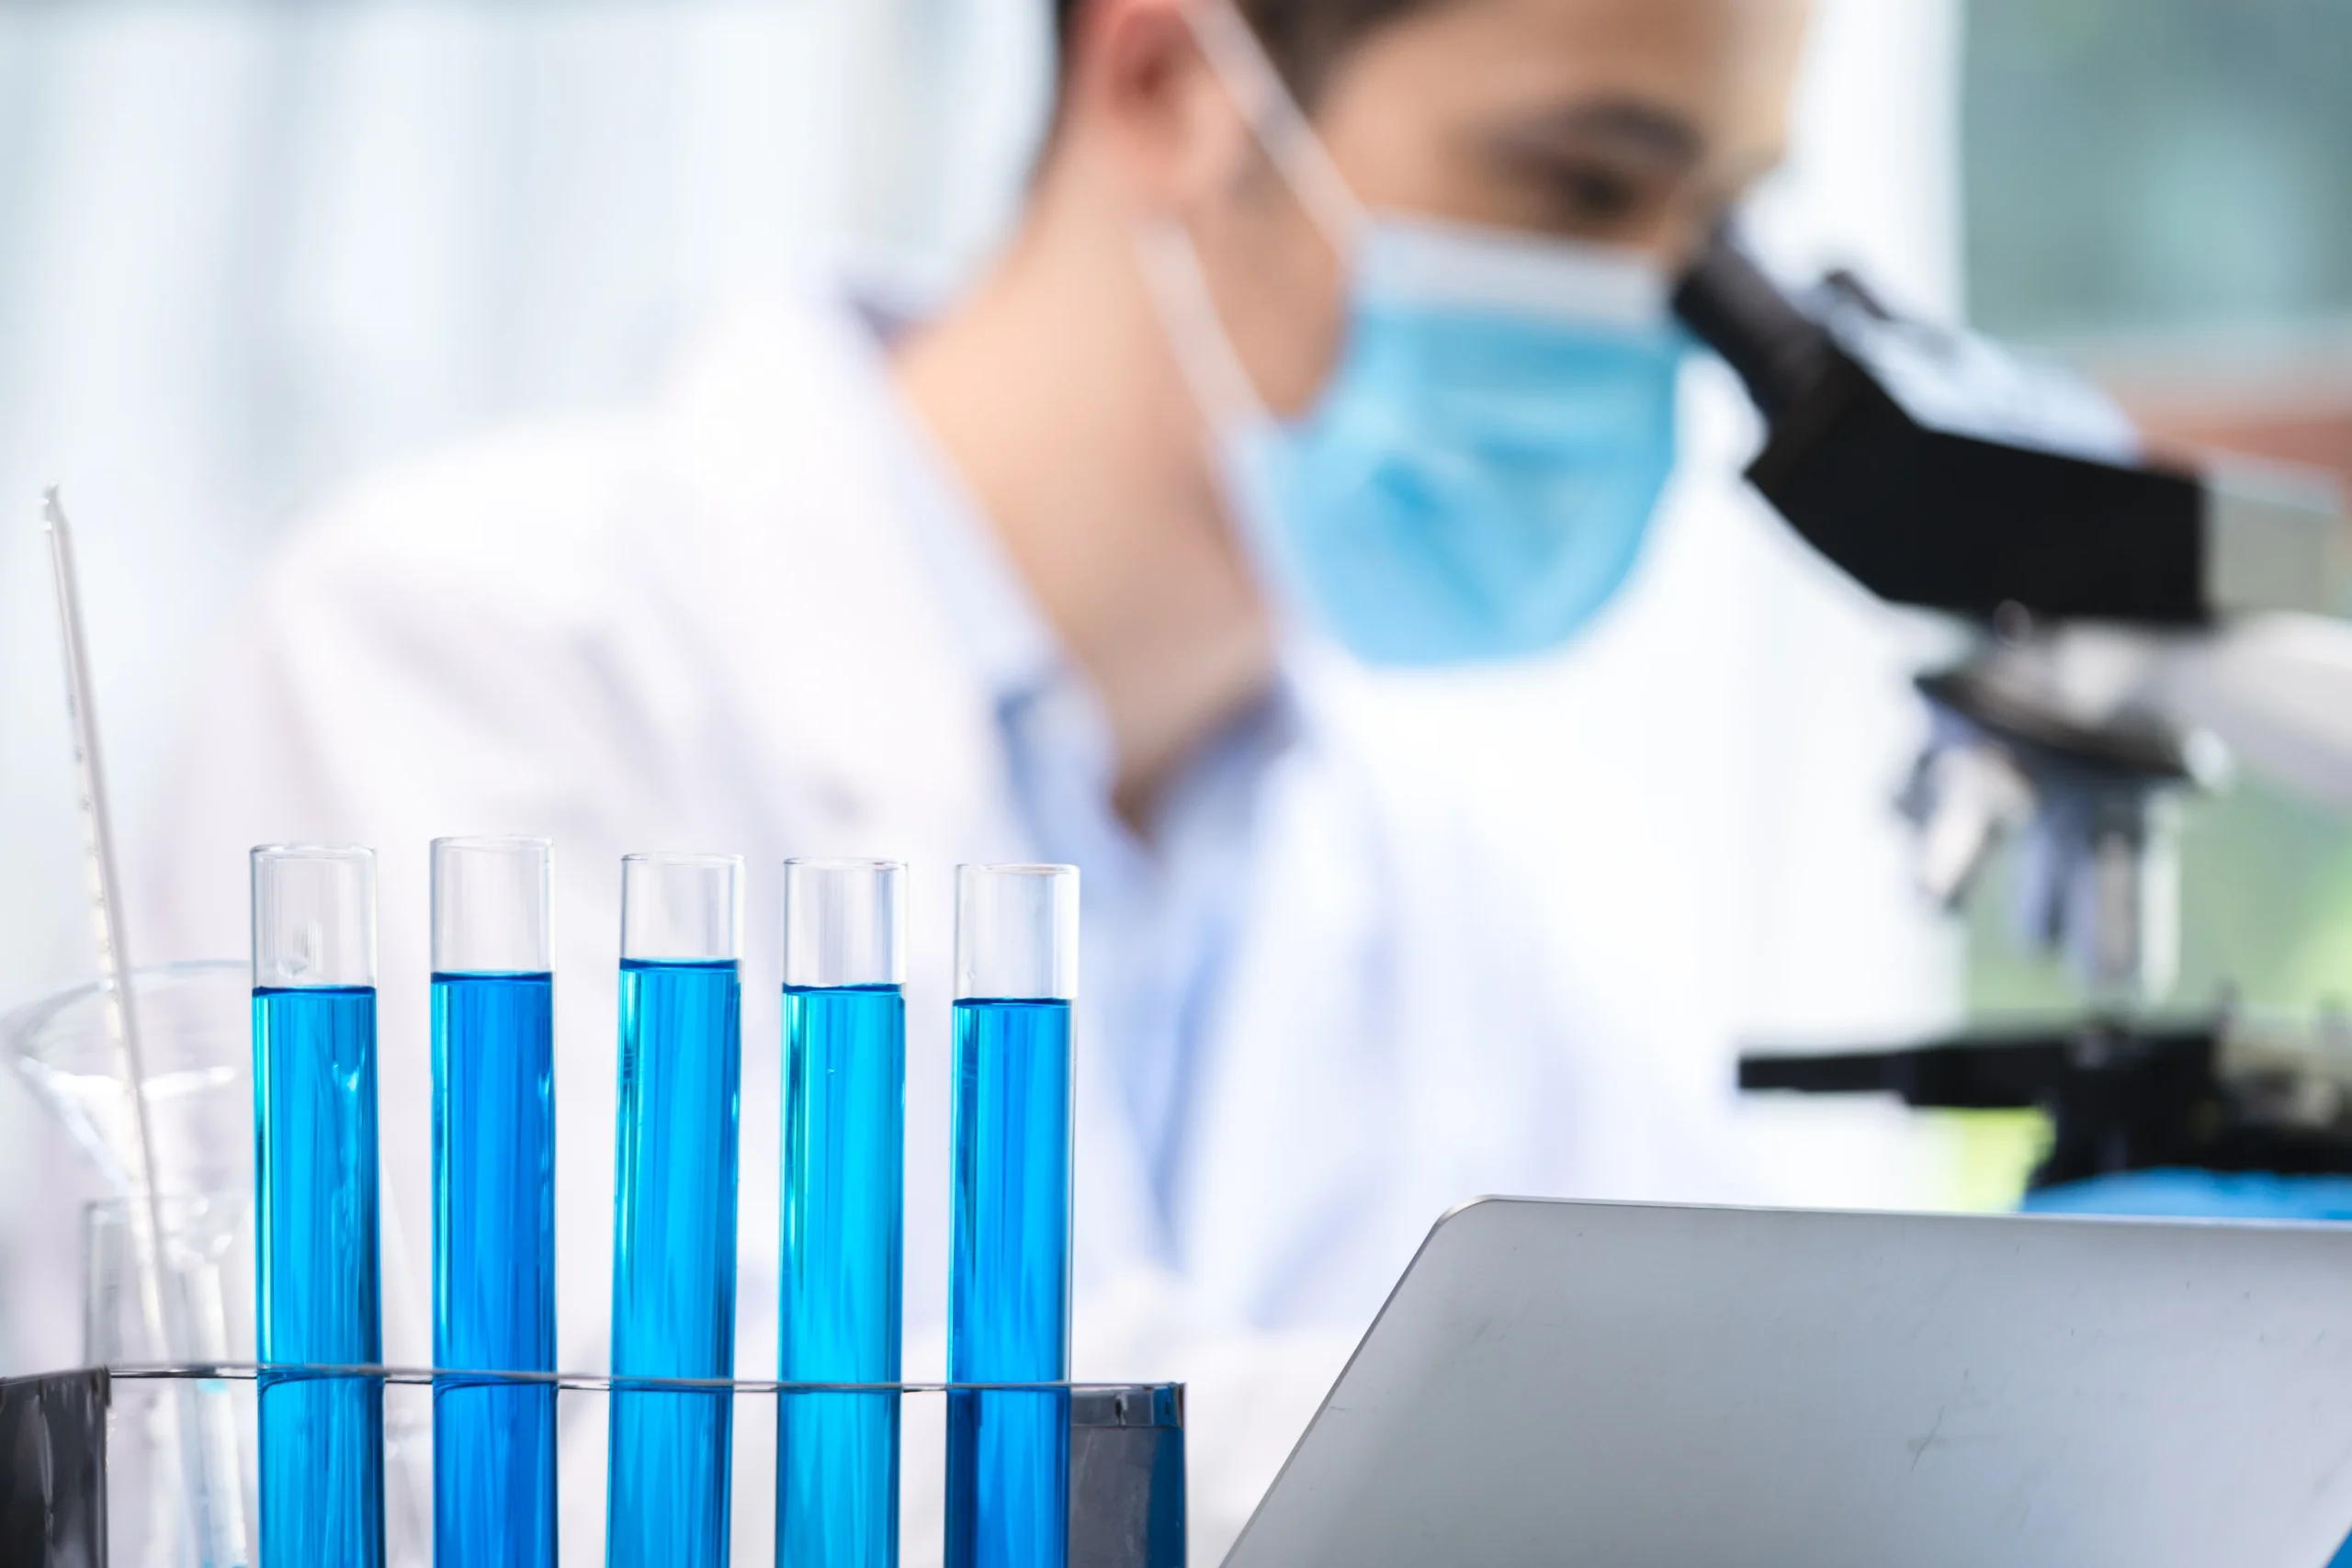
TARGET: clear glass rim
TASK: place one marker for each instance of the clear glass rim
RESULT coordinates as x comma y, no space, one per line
26,1031
844,923
494,844
491,909
1016,931
852,863
313,851
314,913
682,905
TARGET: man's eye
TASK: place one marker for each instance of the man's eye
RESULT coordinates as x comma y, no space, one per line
1595,195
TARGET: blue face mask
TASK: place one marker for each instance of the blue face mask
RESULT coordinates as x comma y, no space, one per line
1476,480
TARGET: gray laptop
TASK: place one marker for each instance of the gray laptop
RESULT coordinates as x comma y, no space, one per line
1626,1386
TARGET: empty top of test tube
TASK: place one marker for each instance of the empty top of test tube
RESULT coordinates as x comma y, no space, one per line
844,923
1016,932
682,909
491,907
314,916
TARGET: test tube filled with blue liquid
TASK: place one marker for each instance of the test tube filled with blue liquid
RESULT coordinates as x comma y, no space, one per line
316,1226
493,1203
845,1151
1008,1304
673,1209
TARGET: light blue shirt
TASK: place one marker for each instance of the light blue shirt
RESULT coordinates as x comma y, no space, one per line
1161,913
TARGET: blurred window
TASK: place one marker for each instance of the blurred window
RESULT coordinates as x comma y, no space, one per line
2136,165
2161,191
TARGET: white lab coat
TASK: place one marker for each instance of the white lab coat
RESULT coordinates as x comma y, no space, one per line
704,625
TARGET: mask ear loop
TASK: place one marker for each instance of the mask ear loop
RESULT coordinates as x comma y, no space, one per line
1170,262
1203,353
1179,288
1227,400
1239,63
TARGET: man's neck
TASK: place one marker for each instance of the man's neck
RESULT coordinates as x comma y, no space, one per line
1052,390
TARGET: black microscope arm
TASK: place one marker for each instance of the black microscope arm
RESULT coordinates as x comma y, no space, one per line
1872,463
2117,1100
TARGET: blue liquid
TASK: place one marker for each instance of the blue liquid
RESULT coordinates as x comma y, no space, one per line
1007,1291
673,1263
314,1135
494,1267
845,1176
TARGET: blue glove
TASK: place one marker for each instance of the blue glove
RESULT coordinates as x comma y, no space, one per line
2204,1195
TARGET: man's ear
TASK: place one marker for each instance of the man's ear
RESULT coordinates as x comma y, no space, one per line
1141,98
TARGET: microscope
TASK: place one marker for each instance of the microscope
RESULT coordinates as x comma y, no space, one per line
2136,628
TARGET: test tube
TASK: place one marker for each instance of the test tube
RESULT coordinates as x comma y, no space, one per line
673,1209
1008,1304
493,1202
844,1153
314,1136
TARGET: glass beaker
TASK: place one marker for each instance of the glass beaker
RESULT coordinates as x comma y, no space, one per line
195,1028
188,1505
178,1457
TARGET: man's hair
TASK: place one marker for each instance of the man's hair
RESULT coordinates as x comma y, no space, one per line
1303,38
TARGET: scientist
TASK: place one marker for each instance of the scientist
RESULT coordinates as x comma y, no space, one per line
1334,333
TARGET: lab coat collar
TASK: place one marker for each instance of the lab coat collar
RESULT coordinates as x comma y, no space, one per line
1015,653
852,684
